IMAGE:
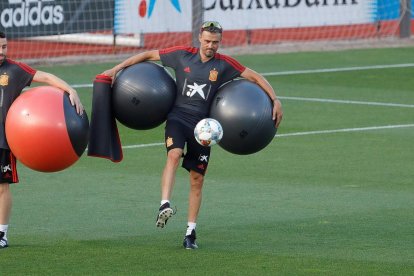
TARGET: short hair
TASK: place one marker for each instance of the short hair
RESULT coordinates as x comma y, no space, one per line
2,34
212,27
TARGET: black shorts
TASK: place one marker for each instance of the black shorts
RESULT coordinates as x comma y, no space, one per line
177,135
8,170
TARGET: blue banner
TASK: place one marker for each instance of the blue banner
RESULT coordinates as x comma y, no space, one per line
389,9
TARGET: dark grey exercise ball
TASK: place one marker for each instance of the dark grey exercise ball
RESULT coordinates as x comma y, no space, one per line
142,95
244,111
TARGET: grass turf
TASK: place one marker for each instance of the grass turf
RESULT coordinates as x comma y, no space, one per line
327,204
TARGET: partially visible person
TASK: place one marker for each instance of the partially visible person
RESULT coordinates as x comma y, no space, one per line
14,77
199,74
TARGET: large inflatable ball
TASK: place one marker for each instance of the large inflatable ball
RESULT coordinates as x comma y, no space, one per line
142,95
245,112
44,131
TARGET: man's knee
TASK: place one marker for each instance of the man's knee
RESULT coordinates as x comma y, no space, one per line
4,188
174,156
197,179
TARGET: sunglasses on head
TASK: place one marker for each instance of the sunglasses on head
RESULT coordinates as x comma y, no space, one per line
212,26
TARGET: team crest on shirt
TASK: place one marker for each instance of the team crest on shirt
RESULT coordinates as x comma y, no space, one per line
4,80
213,75
169,142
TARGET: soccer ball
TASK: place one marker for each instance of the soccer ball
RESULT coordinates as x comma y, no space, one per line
208,132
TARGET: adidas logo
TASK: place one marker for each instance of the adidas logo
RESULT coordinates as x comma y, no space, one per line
23,13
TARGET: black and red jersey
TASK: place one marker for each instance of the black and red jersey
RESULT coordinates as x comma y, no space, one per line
197,81
14,77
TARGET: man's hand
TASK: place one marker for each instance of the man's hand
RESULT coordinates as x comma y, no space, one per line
277,112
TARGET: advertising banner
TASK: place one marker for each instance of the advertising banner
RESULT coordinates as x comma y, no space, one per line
267,14
26,18
152,16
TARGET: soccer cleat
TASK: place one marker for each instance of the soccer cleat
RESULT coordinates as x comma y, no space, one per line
3,242
189,241
165,212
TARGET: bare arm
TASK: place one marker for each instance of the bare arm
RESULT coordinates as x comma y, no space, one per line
144,56
255,77
55,81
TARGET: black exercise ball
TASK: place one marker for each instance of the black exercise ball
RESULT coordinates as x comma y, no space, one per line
244,111
142,95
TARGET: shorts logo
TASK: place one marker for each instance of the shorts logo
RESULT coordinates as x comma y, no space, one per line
6,168
169,142
203,158
213,75
4,80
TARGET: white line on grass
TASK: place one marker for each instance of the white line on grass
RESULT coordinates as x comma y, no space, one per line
309,99
343,130
333,70
316,100
84,85
311,71
346,102
143,146
300,133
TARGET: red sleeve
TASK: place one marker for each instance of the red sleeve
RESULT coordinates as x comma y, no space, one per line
234,63
178,48
24,66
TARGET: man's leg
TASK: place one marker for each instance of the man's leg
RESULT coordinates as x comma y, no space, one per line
167,184
5,210
194,203
195,195
168,175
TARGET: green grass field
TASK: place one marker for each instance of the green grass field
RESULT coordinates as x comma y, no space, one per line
333,194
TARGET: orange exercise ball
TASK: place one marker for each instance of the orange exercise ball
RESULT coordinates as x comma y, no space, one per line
44,131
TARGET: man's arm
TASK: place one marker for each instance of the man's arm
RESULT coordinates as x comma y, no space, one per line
55,81
144,56
255,77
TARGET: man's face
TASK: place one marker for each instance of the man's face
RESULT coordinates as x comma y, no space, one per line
209,43
3,49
